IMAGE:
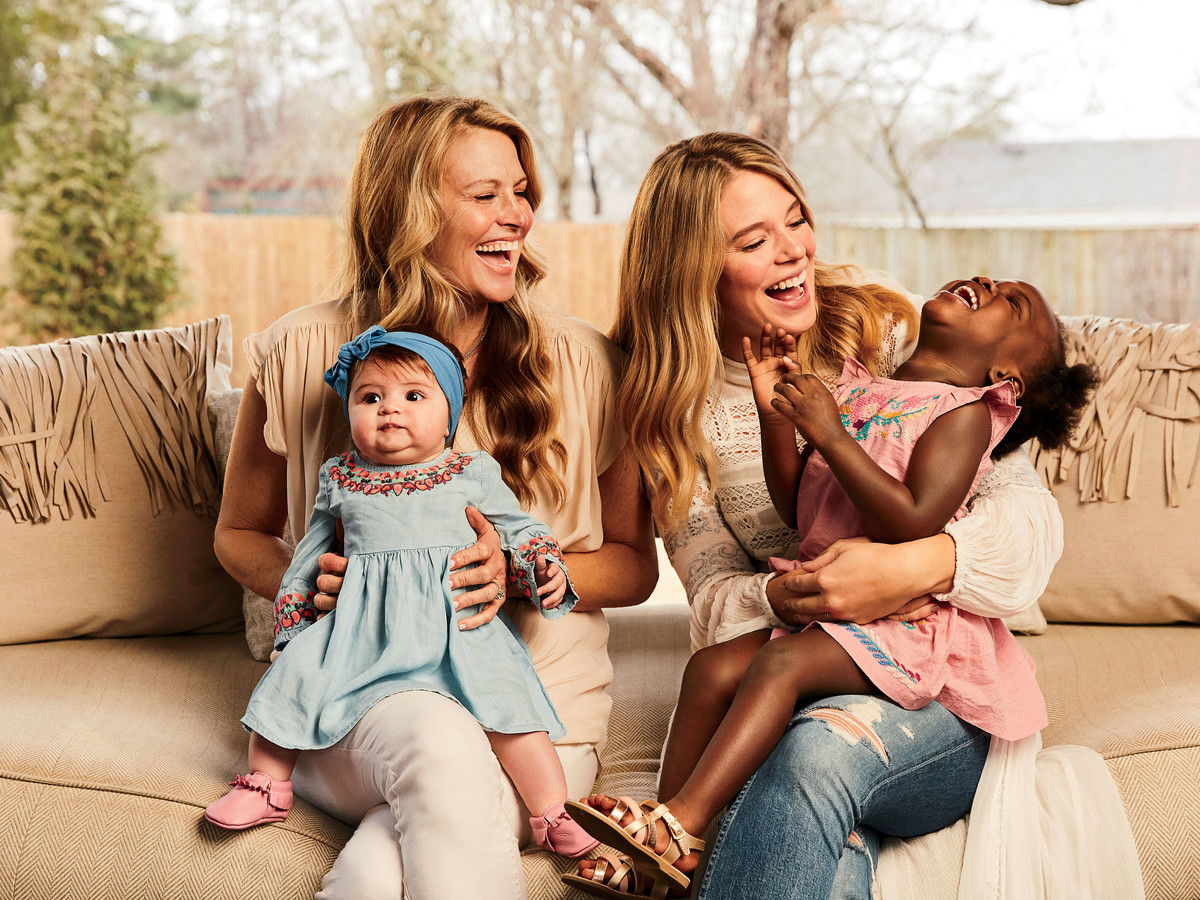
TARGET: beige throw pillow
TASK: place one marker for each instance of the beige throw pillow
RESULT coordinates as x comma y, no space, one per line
108,485
1127,484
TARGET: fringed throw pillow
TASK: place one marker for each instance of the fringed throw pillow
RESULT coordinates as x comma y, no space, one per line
1127,483
109,487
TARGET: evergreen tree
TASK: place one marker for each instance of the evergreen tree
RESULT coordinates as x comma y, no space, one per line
14,74
89,253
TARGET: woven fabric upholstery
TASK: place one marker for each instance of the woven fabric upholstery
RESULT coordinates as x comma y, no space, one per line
111,751
1121,690
1133,694
1163,805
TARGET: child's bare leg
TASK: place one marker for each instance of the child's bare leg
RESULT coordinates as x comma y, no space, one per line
784,672
534,767
537,773
265,795
710,682
271,759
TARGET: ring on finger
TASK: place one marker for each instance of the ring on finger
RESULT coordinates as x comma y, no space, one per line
500,593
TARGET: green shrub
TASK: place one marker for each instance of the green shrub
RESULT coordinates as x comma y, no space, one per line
88,255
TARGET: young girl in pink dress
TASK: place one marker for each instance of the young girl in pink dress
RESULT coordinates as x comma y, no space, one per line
893,459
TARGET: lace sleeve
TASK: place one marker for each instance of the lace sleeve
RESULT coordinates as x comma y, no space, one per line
726,591
1008,542
897,343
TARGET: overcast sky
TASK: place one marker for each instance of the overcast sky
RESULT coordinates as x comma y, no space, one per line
1102,69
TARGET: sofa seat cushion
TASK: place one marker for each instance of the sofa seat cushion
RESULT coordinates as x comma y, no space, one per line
112,748
1132,693
1120,689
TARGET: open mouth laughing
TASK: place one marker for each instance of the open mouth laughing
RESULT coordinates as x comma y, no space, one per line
967,293
499,255
791,292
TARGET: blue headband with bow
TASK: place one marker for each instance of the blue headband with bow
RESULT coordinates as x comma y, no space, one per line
437,356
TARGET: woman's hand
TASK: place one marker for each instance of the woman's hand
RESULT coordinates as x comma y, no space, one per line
915,610
861,581
486,580
329,582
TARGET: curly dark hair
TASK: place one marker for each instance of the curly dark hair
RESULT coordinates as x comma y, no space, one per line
1054,399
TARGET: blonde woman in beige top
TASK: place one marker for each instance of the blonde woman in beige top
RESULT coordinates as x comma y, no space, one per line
440,203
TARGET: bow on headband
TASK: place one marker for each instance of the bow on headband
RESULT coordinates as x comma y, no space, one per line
437,356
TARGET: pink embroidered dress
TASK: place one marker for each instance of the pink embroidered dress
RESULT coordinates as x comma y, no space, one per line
972,665
395,627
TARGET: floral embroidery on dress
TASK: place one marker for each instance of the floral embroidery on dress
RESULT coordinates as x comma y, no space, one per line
291,609
523,559
881,656
862,410
349,474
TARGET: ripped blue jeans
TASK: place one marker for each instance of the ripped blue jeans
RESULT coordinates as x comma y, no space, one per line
808,824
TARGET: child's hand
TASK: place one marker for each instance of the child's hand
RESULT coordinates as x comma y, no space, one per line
805,402
551,581
775,351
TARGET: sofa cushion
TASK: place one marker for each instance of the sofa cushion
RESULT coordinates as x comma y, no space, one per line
1129,484
1133,694
106,456
112,749
1120,690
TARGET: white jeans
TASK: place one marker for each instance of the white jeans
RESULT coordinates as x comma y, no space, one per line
436,815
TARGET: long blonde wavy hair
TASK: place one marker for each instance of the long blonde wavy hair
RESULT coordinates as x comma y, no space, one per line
388,277
668,316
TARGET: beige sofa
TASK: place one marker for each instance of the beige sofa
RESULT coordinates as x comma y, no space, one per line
127,664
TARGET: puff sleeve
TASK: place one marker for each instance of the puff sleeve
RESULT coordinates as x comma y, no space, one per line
1009,542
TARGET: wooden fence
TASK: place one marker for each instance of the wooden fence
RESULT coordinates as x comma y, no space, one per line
255,268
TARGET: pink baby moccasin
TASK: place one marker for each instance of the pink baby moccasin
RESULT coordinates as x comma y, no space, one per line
557,832
254,800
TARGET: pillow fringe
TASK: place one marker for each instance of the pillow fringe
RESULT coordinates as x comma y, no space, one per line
156,383
1146,370
47,443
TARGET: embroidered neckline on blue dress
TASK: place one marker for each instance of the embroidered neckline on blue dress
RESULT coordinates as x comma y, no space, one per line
351,473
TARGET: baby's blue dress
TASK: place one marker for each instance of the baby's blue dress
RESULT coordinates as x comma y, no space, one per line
395,628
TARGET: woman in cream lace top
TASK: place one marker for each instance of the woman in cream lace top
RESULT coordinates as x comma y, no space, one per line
719,242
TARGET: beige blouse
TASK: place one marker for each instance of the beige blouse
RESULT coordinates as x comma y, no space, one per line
306,425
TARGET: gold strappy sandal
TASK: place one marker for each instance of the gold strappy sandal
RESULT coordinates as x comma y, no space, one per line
608,875
607,828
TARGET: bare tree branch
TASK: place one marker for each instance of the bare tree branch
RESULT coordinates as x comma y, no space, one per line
648,59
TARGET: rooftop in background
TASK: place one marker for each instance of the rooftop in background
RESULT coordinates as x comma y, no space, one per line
274,196
978,184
